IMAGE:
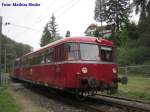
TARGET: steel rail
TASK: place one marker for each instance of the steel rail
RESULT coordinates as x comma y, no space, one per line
125,98
122,103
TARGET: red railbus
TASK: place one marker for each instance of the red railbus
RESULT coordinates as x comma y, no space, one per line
83,65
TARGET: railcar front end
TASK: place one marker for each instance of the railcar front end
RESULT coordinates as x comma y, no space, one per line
91,68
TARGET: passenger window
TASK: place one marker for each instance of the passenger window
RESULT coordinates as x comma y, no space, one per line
72,51
43,59
17,62
49,55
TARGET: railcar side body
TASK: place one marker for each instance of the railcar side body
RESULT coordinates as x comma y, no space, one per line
73,63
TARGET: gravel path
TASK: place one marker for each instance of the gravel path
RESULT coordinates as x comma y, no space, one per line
30,101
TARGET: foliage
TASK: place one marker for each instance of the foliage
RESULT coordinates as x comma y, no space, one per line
117,12
14,47
121,37
46,37
143,7
53,27
132,30
133,40
99,11
135,55
132,48
7,103
12,50
140,6
50,32
114,12
129,32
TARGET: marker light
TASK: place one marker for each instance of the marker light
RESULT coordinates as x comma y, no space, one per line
98,40
114,70
84,70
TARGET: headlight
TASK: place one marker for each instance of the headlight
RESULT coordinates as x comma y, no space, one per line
84,70
114,70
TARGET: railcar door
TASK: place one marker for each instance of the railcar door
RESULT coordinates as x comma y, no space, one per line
59,54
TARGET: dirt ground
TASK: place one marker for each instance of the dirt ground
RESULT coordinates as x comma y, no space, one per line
26,104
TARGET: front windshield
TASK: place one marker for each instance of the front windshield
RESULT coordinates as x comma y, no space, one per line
89,52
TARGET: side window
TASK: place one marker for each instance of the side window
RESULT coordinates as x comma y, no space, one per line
56,52
29,58
24,61
59,53
62,52
37,59
42,57
72,51
49,55
32,59
17,63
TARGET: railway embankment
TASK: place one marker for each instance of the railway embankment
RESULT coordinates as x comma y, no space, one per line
32,101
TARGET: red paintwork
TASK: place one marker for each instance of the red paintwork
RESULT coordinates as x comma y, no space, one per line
76,39
64,74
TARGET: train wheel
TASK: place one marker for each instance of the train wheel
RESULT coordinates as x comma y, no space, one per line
79,95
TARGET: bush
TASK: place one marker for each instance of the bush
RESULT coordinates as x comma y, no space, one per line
133,56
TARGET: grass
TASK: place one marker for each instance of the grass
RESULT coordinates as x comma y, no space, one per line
138,87
7,103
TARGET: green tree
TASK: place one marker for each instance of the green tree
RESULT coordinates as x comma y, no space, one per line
133,55
140,6
46,37
132,29
114,12
12,50
53,27
50,32
127,35
117,12
143,7
99,10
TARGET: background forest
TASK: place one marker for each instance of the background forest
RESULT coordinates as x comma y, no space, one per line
132,39
11,50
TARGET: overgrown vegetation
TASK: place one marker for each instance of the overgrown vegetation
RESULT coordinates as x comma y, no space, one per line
7,103
50,33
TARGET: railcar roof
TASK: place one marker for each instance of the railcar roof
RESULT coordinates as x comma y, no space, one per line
85,39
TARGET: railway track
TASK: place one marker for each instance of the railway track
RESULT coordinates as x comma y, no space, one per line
118,104
99,103
103,103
